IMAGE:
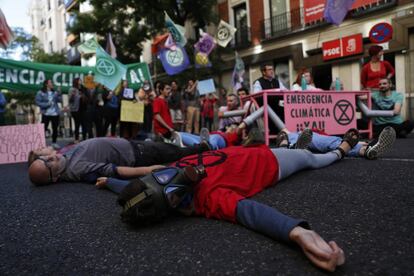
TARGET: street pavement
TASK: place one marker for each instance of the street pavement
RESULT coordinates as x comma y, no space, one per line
367,207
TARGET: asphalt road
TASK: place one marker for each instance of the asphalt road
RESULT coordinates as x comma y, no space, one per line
74,229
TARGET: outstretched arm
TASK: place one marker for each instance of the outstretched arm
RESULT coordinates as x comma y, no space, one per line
130,172
269,221
114,184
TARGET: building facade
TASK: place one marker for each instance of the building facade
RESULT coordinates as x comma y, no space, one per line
48,24
292,34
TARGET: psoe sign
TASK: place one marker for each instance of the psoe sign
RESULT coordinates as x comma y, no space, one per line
346,46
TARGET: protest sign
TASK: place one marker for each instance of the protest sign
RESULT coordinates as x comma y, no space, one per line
332,112
206,86
17,141
132,111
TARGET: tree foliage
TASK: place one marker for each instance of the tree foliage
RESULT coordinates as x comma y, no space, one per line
27,47
131,22
21,46
39,55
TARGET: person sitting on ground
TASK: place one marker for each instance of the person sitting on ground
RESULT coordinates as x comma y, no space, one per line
310,85
97,157
386,99
226,181
233,103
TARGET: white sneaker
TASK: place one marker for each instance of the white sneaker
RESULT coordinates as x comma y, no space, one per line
177,140
385,142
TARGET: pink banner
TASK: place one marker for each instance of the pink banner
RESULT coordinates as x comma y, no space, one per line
333,112
17,141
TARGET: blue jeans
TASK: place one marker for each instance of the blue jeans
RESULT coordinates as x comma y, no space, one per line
322,143
216,140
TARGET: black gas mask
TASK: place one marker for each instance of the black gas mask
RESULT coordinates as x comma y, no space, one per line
153,196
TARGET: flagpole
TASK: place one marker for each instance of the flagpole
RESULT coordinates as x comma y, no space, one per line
154,58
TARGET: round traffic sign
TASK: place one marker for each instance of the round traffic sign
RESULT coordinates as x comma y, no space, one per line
380,33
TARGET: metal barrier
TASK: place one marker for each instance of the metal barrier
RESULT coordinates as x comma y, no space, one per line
332,112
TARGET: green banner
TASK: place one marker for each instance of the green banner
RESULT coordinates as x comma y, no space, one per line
22,76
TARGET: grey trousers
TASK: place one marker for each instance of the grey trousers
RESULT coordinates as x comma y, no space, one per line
294,160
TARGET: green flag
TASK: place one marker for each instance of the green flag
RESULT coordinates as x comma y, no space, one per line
136,75
89,46
108,71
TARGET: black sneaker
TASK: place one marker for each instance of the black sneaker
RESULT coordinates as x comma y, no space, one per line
282,140
304,139
385,142
205,146
255,137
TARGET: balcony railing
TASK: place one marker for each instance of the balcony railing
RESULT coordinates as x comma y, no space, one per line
242,38
294,21
285,23
379,5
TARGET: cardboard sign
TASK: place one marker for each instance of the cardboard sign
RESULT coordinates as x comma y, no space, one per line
206,86
333,112
132,111
17,141
88,82
346,46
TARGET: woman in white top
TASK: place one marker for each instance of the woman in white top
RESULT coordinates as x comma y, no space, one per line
310,85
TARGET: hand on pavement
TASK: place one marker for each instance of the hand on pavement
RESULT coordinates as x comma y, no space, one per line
324,255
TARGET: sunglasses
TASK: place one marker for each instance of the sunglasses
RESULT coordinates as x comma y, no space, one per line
46,162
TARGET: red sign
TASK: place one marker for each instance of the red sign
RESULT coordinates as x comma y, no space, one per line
352,45
381,33
361,3
346,46
331,49
313,10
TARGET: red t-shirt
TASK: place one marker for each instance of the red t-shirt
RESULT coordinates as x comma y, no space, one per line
233,174
208,108
370,79
232,139
160,106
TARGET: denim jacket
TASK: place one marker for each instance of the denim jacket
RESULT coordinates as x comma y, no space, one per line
3,103
42,101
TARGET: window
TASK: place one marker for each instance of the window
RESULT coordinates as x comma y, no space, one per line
48,5
240,23
51,46
277,7
278,15
50,23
